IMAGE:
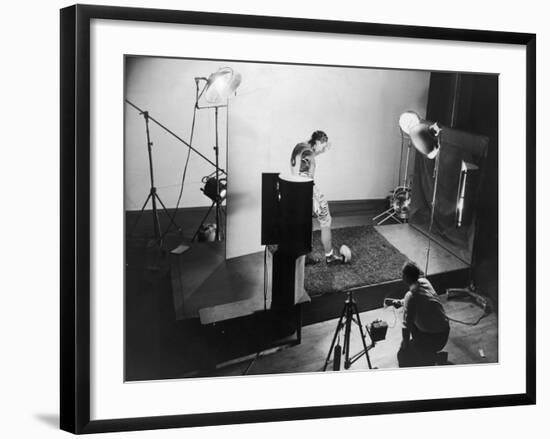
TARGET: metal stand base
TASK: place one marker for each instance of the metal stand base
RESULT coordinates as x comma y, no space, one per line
350,314
386,215
159,235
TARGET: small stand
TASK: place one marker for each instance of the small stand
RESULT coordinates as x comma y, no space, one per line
392,213
216,202
350,314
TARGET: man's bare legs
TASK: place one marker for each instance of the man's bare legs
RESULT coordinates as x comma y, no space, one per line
326,239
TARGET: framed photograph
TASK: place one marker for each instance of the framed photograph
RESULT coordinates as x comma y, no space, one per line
259,212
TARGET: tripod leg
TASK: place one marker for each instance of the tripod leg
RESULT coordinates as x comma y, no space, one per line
386,212
140,214
202,222
171,217
347,335
356,310
338,327
156,222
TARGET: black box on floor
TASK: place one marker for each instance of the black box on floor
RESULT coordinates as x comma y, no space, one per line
378,330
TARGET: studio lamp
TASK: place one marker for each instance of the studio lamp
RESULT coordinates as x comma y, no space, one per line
219,86
424,137
214,189
216,91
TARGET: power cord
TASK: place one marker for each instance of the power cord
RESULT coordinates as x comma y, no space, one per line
184,169
394,312
485,314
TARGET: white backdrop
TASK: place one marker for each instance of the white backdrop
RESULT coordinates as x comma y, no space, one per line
276,107
29,323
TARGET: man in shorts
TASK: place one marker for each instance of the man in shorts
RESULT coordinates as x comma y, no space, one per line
302,163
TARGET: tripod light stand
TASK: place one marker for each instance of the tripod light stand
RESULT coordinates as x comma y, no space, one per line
216,90
153,195
401,195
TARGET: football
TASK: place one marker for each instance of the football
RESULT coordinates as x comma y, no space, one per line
346,253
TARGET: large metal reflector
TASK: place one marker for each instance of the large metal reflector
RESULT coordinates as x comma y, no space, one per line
221,84
423,135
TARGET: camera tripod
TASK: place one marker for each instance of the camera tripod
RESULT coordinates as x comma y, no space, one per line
350,314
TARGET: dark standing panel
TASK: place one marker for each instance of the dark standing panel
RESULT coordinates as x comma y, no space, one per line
458,149
469,102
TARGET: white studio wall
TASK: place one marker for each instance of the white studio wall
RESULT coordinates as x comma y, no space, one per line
276,107
279,106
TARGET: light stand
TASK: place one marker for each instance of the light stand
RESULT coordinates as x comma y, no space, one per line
425,137
350,314
217,200
470,290
153,194
401,195
432,212
217,88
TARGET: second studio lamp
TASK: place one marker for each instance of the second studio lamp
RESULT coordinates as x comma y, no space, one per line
425,137
213,92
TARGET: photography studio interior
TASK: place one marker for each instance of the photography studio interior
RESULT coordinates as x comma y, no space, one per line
288,218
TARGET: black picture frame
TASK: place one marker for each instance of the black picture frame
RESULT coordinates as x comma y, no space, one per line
75,217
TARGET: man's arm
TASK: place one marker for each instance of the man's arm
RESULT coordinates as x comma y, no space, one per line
317,151
406,337
408,317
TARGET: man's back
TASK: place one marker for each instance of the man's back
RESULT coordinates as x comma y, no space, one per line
423,309
302,160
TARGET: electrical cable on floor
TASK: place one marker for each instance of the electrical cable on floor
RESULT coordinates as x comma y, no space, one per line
385,307
184,169
394,324
485,314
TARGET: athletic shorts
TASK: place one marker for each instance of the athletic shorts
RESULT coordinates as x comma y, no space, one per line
320,208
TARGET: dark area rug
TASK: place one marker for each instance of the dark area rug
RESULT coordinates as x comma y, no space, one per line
374,260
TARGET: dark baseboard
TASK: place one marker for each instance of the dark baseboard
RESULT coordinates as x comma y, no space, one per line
189,218
357,207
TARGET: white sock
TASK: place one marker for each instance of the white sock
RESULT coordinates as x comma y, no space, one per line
328,255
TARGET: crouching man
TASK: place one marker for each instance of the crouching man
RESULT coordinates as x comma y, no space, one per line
425,324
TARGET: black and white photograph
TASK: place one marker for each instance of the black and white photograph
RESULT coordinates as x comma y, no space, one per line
275,219
286,218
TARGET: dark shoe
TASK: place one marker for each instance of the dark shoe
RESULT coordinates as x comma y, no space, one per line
312,260
334,259
441,358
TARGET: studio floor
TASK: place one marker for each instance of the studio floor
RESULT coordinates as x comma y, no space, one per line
466,345
160,346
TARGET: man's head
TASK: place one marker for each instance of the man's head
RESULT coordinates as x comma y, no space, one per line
410,273
319,141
